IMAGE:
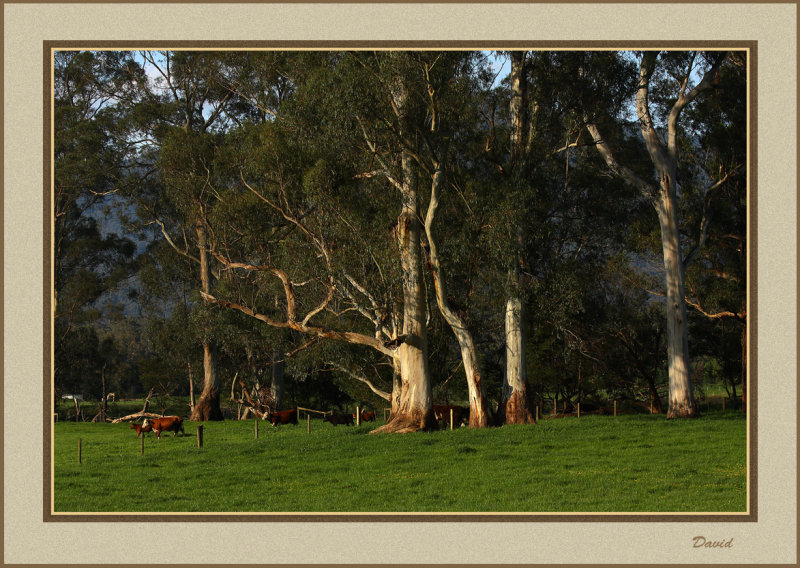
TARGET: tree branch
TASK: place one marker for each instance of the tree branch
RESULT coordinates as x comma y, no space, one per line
343,336
616,168
384,395
173,245
284,278
704,222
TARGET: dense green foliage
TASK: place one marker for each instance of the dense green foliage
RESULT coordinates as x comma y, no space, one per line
287,160
592,464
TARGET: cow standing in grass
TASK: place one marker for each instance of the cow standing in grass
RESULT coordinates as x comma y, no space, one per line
338,419
140,428
366,416
283,417
172,424
442,413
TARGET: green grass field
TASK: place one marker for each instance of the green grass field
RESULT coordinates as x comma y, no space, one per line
634,463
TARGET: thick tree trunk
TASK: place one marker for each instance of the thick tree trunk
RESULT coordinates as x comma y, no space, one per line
415,410
207,407
655,400
515,408
397,388
478,408
681,399
278,366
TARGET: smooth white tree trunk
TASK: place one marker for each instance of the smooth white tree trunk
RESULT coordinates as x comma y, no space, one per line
478,408
664,197
515,389
514,408
681,397
415,409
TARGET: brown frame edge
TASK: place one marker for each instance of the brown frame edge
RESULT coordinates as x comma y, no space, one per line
752,516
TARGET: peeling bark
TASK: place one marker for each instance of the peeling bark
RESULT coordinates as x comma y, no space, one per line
514,407
415,410
207,406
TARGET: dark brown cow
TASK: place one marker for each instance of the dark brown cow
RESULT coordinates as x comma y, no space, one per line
366,416
338,419
172,424
140,428
442,412
283,417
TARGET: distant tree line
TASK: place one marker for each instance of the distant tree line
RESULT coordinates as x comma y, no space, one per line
402,228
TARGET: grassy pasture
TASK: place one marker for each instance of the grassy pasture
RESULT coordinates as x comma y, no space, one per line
633,463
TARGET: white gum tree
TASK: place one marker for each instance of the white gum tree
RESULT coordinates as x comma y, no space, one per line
663,193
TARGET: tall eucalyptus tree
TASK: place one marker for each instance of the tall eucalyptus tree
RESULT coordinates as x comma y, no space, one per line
694,74
173,129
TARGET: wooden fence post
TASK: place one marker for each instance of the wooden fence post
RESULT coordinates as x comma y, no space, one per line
451,419
615,408
358,416
579,410
536,412
308,422
298,414
200,436
80,450
256,429
723,404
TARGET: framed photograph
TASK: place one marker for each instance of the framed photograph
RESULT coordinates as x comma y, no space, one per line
401,293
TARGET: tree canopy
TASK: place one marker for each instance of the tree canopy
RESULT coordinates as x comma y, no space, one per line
403,228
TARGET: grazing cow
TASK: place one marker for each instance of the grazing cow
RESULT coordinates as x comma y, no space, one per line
283,417
140,428
172,424
442,412
366,416
338,419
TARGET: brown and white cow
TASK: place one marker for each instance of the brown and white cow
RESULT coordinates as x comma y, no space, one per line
172,424
283,417
140,428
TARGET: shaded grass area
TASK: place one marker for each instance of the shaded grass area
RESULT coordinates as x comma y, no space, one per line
636,463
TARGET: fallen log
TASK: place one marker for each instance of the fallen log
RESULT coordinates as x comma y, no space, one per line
139,414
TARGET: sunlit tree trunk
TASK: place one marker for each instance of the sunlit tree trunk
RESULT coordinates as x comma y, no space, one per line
681,397
664,197
478,408
514,407
207,406
415,409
